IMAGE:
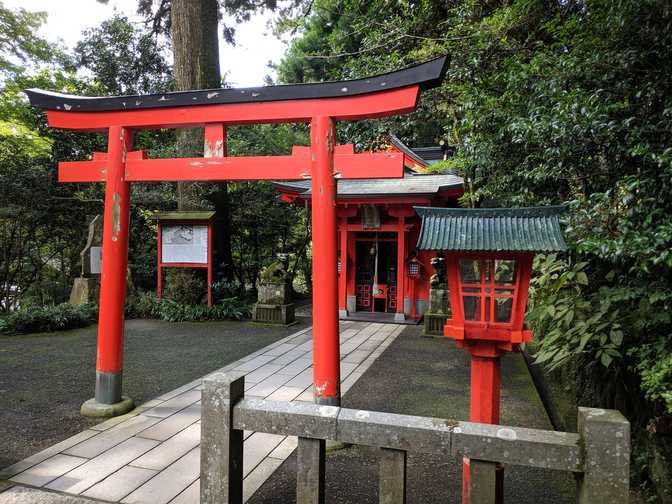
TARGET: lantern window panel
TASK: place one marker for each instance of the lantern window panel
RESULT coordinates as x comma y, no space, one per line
505,271
470,271
503,309
488,289
472,307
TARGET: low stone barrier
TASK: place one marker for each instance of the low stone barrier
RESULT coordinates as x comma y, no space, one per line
599,454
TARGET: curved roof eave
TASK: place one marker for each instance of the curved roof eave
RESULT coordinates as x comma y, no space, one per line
426,75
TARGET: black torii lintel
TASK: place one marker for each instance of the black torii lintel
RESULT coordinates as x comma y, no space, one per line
427,75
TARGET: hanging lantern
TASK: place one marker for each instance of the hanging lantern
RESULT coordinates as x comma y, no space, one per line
413,267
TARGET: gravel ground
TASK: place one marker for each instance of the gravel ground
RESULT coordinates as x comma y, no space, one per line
427,376
44,378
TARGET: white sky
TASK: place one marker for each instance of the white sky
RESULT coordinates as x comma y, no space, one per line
243,64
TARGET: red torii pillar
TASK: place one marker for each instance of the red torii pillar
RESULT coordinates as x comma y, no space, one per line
326,350
109,360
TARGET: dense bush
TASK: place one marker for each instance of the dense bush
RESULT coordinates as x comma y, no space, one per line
146,305
184,286
48,318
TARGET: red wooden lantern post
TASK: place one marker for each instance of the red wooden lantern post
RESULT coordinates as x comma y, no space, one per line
489,256
321,105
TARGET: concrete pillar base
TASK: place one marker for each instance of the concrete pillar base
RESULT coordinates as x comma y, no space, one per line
93,408
342,314
399,317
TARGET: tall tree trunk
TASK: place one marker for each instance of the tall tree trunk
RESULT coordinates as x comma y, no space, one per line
194,25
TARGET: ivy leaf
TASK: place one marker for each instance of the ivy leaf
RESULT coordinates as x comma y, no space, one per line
616,337
606,359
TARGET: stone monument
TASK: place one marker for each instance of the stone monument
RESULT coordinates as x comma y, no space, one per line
438,310
274,304
85,289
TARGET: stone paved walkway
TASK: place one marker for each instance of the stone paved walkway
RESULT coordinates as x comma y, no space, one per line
152,454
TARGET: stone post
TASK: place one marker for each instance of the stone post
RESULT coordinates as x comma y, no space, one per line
310,471
392,479
482,482
605,435
221,444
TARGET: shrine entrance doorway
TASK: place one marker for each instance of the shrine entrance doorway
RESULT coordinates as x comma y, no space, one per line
376,272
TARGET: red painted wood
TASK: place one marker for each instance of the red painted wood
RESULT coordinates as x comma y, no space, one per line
364,297
326,350
343,257
221,168
208,266
84,171
392,298
210,230
486,339
350,280
115,255
381,104
213,168
159,261
485,390
401,264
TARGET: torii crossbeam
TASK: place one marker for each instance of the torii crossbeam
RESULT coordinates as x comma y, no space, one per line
320,104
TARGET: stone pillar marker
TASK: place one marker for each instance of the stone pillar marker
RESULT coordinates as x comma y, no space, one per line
482,482
86,286
438,310
310,465
222,460
274,302
606,443
392,477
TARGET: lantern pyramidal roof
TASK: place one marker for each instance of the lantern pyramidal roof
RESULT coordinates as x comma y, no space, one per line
535,229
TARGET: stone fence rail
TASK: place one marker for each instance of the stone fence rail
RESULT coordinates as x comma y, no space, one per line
599,455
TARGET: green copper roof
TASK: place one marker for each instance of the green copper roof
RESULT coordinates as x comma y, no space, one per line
184,215
491,229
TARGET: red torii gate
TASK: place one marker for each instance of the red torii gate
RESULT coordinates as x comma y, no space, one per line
320,104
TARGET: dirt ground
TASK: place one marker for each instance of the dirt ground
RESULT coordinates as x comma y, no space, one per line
44,378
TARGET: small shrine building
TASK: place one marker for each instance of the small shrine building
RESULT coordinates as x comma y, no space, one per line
378,231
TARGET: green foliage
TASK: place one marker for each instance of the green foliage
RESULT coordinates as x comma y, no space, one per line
183,286
574,325
227,289
654,364
226,309
19,44
124,58
147,305
48,318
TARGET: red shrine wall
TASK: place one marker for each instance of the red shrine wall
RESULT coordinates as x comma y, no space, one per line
405,294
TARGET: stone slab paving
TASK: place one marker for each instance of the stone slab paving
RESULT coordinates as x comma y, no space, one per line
152,454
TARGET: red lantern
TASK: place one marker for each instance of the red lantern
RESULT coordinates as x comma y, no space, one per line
488,294
489,254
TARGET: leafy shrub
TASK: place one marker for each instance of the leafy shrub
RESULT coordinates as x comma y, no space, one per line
184,286
226,289
572,324
143,305
146,305
49,318
654,364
